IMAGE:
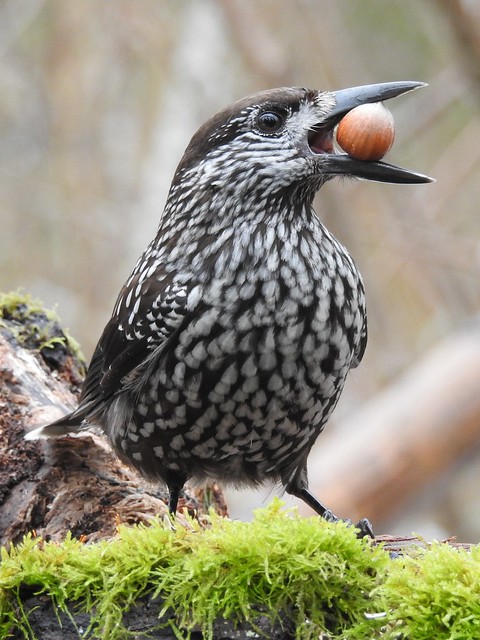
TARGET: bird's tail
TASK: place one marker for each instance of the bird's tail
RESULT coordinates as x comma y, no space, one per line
70,423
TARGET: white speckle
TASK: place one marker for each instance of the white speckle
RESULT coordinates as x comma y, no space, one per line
213,349
215,398
293,331
226,342
247,291
269,289
179,374
191,362
194,435
269,239
205,449
251,384
205,420
172,396
136,455
150,270
269,340
273,261
118,305
290,306
142,409
177,443
260,399
275,383
203,325
225,427
180,412
347,317
244,325
239,396
239,429
227,407
194,297
199,352
289,369
147,429
267,361
249,367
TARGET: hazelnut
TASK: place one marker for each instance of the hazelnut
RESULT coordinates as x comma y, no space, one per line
367,132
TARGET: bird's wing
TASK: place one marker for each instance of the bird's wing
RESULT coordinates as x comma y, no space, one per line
141,325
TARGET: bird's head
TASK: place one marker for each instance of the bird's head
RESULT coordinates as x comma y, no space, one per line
280,139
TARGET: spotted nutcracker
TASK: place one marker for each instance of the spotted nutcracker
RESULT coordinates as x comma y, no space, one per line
230,342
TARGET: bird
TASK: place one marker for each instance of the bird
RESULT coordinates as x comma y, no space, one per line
230,342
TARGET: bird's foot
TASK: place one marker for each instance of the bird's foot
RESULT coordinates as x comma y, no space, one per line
329,516
363,526
364,529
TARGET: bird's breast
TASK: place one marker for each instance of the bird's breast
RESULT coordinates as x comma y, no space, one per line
287,318
262,359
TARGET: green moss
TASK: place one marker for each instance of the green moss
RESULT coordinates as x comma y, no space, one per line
317,573
34,327
434,594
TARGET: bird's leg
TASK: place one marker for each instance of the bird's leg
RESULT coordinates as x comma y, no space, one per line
364,527
174,488
315,504
174,494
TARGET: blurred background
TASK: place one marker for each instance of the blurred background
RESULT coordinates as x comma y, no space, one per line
98,101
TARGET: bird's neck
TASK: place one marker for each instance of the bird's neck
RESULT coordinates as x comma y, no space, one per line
204,237
209,207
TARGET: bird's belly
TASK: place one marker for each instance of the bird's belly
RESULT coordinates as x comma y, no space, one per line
239,400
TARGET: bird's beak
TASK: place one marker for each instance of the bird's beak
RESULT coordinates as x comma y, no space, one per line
342,164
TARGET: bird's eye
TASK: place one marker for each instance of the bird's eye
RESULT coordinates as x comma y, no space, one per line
270,121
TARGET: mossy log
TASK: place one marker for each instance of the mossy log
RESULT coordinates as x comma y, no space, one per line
280,576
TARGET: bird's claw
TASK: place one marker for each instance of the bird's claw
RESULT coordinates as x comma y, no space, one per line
329,516
364,529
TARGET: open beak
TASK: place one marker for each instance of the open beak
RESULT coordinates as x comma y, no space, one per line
321,138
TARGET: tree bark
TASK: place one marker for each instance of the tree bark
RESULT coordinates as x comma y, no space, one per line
75,483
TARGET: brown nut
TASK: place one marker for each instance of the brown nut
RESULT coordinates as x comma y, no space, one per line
367,132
